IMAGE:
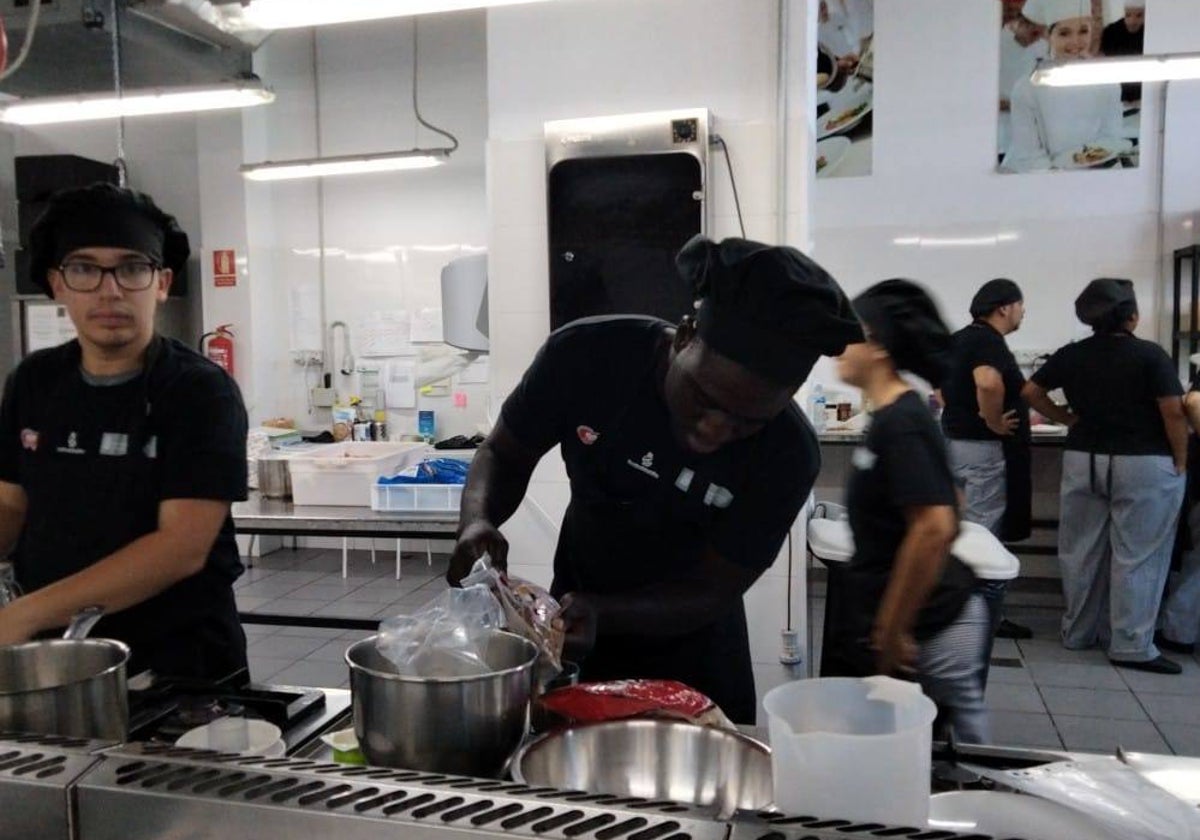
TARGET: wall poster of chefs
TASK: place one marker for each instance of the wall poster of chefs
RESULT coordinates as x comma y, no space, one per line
845,87
1045,128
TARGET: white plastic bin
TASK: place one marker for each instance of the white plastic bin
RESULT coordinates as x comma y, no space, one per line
343,473
852,748
417,498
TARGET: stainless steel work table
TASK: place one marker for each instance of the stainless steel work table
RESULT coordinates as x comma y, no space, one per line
277,517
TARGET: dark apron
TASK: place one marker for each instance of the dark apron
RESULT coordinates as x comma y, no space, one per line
1017,523
83,507
624,531
856,594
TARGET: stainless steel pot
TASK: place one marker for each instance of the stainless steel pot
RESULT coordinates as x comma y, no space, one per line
69,686
274,477
464,725
652,759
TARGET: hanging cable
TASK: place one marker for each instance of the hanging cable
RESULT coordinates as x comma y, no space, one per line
118,89
719,140
34,13
789,576
326,345
416,109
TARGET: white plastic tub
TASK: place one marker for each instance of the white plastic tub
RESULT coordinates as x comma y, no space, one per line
417,498
343,473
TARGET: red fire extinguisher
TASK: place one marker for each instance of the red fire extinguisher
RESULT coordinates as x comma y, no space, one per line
219,348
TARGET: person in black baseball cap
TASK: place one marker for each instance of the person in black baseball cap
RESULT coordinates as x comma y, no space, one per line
912,607
1123,477
121,450
987,428
688,463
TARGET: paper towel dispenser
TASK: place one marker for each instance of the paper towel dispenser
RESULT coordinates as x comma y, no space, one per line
465,303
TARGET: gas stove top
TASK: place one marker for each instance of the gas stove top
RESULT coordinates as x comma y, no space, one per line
166,709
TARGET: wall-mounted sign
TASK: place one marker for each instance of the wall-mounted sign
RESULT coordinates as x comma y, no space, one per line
224,268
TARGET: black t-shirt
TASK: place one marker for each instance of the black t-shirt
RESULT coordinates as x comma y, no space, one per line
978,345
901,464
1113,383
95,461
592,390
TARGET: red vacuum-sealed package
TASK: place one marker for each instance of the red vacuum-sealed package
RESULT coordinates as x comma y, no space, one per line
620,699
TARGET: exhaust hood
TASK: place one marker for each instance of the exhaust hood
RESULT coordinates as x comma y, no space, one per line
164,43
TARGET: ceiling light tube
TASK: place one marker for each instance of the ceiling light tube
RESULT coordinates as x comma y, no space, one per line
46,110
1102,71
345,165
289,14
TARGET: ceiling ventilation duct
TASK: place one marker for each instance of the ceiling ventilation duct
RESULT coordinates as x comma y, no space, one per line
165,43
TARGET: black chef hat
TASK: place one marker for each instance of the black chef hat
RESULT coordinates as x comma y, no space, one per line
904,319
104,216
768,308
992,295
1106,303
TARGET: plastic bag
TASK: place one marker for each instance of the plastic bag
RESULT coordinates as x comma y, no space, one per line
529,611
431,471
620,699
1113,794
446,637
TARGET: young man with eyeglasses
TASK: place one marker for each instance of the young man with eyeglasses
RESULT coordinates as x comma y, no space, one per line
121,451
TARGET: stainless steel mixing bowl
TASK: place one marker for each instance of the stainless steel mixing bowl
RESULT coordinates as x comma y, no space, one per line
652,759
468,725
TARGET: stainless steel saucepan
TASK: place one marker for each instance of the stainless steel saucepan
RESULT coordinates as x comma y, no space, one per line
70,686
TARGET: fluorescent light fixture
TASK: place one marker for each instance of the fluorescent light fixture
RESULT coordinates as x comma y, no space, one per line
1103,71
345,165
956,241
289,14
135,103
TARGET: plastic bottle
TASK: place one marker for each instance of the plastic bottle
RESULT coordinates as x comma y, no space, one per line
816,408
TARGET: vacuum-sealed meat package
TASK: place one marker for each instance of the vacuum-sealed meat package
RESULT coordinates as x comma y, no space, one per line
529,610
620,699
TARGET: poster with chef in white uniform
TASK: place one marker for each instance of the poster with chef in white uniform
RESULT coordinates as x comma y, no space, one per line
845,87
1045,128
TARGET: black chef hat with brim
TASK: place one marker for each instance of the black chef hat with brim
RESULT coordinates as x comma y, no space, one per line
104,216
1106,303
993,294
769,308
903,318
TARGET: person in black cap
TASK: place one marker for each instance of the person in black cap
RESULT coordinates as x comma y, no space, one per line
912,607
986,424
121,451
688,463
1122,478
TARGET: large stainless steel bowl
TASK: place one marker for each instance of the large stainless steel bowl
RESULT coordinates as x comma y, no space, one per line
465,725
652,759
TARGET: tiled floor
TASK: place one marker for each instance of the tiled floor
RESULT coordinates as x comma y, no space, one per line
1039,694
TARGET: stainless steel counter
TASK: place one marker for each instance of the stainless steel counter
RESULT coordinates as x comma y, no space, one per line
257,515
1056,439
76,790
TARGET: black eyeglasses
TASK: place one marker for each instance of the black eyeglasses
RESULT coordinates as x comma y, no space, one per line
132,276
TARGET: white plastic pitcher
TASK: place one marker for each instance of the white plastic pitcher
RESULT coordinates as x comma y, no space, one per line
852,748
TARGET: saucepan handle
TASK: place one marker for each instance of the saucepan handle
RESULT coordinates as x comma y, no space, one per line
83,622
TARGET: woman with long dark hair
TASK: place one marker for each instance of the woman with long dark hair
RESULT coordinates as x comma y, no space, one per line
914,610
